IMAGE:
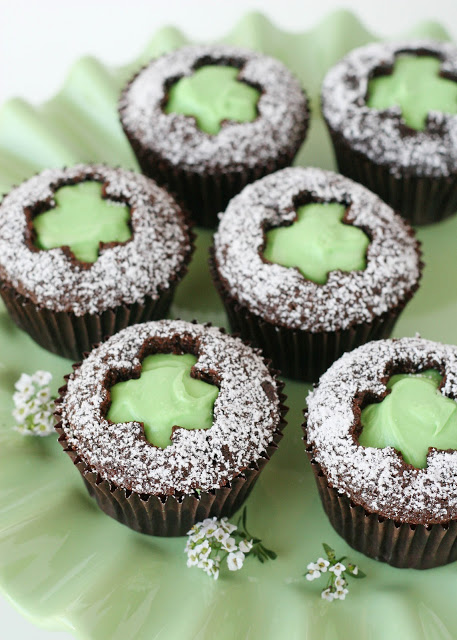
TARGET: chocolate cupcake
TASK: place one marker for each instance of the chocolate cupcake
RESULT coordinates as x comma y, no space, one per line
391,110
382,437
309,265
160,467
86,251
207,120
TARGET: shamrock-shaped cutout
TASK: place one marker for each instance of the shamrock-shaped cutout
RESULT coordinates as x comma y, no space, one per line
211,95
415,85
81,220
318,242
163,397
411,418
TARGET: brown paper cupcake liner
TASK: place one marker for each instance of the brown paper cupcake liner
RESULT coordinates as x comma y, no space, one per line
302,355
420,200
172,515
403,545
206,194
69,335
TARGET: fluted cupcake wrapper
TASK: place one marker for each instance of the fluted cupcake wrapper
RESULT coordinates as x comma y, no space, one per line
167,515
419,199
175,514
69,335
204,194
400,544
298,354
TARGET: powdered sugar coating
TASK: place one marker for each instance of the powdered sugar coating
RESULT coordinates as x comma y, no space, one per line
280,126
283,295
382,136
378,479
144,266
246,414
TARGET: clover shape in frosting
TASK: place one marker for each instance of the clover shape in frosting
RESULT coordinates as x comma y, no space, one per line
81,220
163,397
416,86
318,242
412,418
211,95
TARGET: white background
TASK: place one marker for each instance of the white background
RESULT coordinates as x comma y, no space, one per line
39,40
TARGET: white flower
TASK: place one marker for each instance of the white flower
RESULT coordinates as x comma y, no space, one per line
227,526
203,550
42,378
340,582
192,559
322,564
327,594
229,545
209,529
338,568
313,574
245,546
214,572
340,594
43,423
20,399
33,405
21,413
220,535
43,395
355,570
235,560
25,384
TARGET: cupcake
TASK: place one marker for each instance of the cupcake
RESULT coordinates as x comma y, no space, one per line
309,265
170,422
381,435
391,110
207,120
86,251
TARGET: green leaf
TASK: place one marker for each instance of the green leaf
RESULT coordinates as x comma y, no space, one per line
357,575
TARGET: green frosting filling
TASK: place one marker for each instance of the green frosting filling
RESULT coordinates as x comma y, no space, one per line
82,219
416,87
213,94
163,397
412,417
318,242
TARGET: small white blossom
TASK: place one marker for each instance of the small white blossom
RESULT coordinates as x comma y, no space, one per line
203,550
235,560
43,395
214,572
313,574
25,384
220,535
42,378
245,546
322,564
355,570
339,582
338,568
340,594
227,526
21,413
192,559
327,594
229,545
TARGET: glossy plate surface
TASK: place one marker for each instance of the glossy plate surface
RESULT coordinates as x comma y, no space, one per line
67,565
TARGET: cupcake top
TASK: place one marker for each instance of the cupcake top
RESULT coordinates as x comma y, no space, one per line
89,238
246,418
418,137
375,477
171,109
375,246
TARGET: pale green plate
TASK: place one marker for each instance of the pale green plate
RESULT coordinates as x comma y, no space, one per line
67,565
